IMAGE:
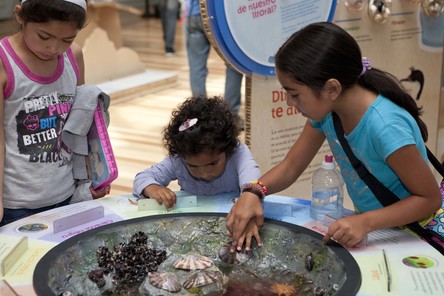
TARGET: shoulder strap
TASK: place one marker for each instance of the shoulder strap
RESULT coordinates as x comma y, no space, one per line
385,196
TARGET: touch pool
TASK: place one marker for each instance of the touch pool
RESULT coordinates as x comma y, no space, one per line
135,257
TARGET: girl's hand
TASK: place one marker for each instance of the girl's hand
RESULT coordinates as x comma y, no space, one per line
161,194
347,231
246,210
100,193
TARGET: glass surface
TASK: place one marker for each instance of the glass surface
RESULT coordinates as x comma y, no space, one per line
292,257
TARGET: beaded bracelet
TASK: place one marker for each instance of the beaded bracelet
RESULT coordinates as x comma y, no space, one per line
264,188
256,187
254,191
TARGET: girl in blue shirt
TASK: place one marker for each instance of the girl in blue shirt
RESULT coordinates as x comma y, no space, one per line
322,70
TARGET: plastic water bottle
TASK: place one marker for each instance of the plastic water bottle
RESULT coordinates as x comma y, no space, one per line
327,191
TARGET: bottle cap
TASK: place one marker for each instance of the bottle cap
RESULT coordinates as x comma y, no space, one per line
328,158
328,162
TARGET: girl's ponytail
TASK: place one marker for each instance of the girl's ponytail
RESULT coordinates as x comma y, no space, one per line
389,86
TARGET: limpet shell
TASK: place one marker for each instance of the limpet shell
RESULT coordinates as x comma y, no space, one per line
202,278
193,262
167,281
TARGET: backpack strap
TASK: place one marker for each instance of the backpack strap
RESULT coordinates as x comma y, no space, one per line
385,196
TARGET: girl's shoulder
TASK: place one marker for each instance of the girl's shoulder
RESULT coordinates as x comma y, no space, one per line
241,148
386,112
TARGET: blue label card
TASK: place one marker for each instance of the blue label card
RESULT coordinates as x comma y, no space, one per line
277,209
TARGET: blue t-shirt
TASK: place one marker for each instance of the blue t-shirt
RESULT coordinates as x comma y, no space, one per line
384,128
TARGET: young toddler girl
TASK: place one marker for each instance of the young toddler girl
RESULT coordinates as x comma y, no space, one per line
204,154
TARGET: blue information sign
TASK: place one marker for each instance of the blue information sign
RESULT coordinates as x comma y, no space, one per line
249,32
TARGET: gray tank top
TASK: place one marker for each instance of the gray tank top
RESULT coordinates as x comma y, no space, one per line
38,167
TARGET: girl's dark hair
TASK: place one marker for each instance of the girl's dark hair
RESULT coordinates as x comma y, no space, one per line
217,128
321,51
41,11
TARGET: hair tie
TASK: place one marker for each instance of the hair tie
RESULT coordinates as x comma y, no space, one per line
81,3
366,65
187,124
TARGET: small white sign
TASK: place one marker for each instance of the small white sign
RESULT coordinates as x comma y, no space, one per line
147,204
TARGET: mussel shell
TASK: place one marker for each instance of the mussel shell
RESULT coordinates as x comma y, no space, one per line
167,281
309,261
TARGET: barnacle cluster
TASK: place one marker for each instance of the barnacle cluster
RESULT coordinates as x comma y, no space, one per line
128,263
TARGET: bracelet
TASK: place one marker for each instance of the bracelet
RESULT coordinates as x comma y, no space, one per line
255,188
254,191
264,188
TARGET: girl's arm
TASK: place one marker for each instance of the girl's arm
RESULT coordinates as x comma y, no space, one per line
278,178
296,161
426,198
153,182
161,174
78,54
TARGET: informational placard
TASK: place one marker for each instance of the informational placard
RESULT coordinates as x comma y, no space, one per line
409,44
78,218
11,249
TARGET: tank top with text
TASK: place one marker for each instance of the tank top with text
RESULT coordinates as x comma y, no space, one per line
38,166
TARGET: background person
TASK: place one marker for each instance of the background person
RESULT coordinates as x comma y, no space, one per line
198,48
